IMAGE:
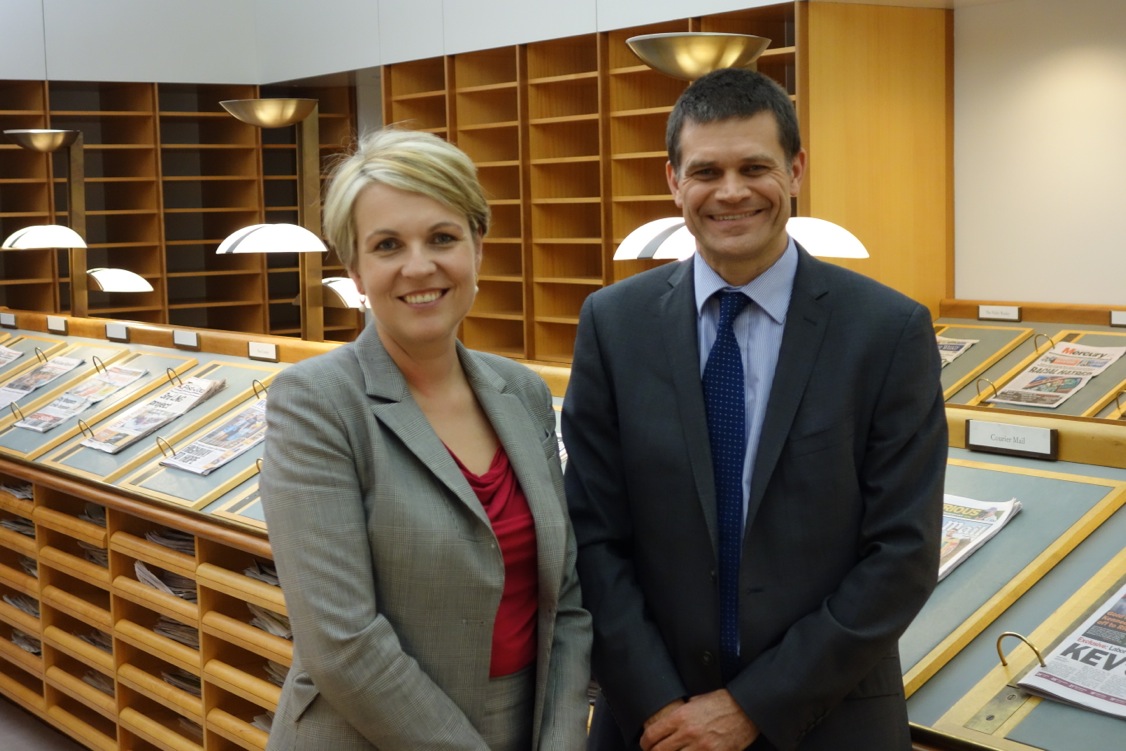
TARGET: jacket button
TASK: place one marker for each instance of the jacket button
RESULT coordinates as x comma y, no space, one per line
708,658
712,574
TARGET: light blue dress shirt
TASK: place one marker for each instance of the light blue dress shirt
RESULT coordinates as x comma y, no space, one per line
758,329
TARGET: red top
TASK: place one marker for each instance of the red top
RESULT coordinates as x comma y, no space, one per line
514,633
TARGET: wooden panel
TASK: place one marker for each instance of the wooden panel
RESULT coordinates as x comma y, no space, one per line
876,112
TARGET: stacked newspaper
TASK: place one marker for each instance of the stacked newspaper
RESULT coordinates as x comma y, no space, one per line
242,432
93,513
99,639
94,554
20,492
177,631
26,642
183,680
1057,375
40,375
269,621
276,672
168,582
99,681
949,349
173,539
154,414
967,524
1088,668
23,603
7,355
79,398
30,566
263,572
18,524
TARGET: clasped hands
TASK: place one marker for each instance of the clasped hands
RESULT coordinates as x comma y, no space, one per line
708,722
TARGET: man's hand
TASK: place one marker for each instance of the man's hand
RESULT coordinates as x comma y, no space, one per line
709,722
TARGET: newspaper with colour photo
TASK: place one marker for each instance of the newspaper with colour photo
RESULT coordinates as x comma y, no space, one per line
1088,668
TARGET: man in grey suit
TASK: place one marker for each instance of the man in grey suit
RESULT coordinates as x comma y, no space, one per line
836,479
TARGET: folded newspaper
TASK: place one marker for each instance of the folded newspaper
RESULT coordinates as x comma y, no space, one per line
1057,375
949,349
242,432
152,415
1088,668
79,398
37,377
967,524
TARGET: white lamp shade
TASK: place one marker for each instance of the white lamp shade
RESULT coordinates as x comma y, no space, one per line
118,280
825,239
272,238
669,239
43,236
342,293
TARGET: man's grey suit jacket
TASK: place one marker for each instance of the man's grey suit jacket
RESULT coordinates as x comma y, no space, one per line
841,543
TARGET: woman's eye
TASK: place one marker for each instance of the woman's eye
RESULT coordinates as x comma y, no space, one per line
444,238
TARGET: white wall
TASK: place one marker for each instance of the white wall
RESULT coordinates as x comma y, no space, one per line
1040,151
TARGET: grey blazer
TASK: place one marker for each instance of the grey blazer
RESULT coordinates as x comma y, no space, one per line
390,569
841,543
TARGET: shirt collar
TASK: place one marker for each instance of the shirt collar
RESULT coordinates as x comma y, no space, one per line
770,290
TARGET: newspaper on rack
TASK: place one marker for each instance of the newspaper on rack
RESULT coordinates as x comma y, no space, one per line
242,432
145,418
949,349
168,582
967,524
99,681
1088,668
40,375
7,355
81,397
269,621
1057,375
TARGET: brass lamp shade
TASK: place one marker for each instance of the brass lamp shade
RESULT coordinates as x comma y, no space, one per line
270,113
691,55
44,140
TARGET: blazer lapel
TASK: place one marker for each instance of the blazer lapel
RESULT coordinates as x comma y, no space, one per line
677,318
523,442
806,322
397,411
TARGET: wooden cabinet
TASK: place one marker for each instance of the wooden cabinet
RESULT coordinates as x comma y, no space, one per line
90,648
872,89
118,126
168,175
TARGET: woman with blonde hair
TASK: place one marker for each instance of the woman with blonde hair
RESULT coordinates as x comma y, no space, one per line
413,494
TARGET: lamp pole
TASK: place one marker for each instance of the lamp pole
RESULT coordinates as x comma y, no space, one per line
46,141
277,113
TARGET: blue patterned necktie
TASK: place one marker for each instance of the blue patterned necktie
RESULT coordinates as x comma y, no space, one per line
724,401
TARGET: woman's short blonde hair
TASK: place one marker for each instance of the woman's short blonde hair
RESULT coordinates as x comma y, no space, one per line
408,160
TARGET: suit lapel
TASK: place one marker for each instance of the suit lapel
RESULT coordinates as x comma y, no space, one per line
806,322
523,441
677,318
397,411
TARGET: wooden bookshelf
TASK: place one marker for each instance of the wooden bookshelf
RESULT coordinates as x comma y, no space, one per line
589,122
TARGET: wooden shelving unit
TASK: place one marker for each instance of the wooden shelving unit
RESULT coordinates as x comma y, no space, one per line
119,695
489,124
169,174
590,126
28,278
123,217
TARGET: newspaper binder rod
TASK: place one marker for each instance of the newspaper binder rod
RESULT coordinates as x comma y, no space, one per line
40,356
163,445
259,388
16,410
258,464
173,378
1036,342
1031,646
991,385
86,431
98,364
